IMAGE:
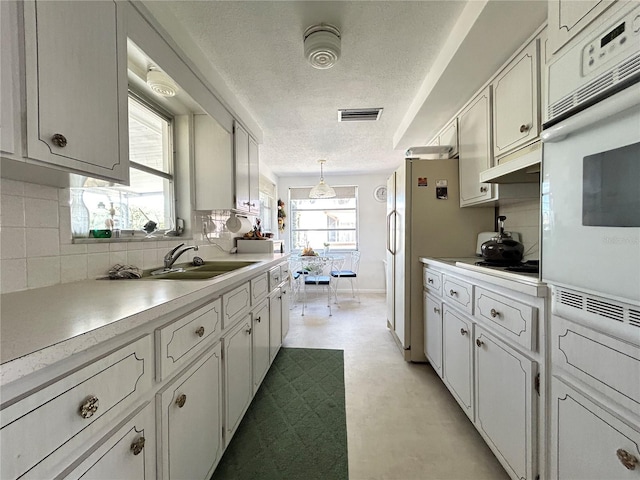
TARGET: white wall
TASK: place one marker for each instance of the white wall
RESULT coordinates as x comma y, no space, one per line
371,222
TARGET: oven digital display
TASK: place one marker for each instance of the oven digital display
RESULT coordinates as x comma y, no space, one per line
611,188
612,34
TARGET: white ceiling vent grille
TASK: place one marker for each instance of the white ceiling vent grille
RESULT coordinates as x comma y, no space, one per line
359,114
579,306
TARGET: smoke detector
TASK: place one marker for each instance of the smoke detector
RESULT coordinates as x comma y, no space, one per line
161,83
322,45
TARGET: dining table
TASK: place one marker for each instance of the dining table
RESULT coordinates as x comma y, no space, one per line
315,270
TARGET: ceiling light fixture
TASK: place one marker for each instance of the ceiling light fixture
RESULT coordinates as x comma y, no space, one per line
160,82
322,45
322,190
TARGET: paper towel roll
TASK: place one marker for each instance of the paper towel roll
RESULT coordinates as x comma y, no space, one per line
239,224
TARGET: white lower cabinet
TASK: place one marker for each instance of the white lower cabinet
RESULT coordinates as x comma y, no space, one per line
589,443
284,292
261,351
190,412
238,382
505,399
433,332
457,334
130,452
275,323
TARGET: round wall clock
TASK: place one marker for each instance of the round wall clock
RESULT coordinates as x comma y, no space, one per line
380,193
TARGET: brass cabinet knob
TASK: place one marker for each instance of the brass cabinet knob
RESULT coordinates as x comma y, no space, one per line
463,331
524,128
484,189
59,140
627,459
258,319
89,407
200,331
137,446
479,342
495,313
248,331
181,400
453,292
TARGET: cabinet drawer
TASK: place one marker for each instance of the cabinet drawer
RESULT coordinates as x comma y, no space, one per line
459,293
275,277
607,364
61,419
128,453
432,281
517,321
235,304
260,287
284,269
586,440
177,342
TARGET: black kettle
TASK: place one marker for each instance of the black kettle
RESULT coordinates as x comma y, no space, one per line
502,249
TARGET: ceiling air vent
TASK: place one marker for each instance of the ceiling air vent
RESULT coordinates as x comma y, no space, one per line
359,114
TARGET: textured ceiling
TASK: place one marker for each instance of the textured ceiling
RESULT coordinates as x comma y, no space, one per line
387,49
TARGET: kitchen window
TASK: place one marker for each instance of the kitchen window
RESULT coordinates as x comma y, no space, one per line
324,223
145,206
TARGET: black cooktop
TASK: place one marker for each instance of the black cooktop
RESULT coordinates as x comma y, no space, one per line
530,266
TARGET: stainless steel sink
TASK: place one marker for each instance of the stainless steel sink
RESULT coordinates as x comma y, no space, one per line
188,271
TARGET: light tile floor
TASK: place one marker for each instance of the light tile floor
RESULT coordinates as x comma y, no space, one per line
402,422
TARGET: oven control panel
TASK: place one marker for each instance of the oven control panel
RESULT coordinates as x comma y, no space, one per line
614,42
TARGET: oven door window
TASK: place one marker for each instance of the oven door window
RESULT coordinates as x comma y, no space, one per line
611,188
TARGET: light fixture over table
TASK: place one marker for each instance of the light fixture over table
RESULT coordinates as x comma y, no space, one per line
322,45
322,190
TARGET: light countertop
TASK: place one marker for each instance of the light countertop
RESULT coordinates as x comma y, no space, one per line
41,326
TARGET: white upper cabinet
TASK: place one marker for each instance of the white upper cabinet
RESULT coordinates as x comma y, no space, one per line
246,170
76,87
567,18
9,78
474,134
254,177
449,136
516,102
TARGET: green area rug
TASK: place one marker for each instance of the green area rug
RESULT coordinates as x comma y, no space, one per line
296,427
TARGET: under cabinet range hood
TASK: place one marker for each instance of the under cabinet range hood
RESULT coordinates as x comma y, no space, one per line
522,166
434,152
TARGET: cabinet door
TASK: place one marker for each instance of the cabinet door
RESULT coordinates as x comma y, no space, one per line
587,442
474,134
449,136
433,332
261,352
457,350
567,18
275,324
515,102
9,78
237,375
191,412
241,165
254,194
128,453
285,310
505,399
76,86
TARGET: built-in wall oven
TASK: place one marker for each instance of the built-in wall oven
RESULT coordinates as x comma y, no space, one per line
591,165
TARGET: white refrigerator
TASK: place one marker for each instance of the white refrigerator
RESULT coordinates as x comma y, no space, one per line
424,219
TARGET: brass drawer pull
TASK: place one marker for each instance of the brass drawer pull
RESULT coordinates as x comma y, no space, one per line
479,342
463,331
524,128
137,446
181,400
89,407
200,331
59,140
627,459
495,313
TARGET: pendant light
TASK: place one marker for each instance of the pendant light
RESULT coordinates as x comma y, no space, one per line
322,190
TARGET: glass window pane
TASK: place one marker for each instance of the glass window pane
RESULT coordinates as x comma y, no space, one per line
148,137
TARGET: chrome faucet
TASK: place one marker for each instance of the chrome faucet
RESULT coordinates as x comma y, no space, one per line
170,258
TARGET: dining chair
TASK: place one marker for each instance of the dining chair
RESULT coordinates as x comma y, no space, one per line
314,275
350,273
295,267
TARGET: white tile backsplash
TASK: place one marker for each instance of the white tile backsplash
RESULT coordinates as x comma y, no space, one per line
12,211
73,268
43,271
42,242
41,191
11,187
41,213
13,275
12,244
524,218
98,264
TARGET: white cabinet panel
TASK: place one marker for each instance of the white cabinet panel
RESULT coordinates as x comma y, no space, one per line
260,334
259,288
235,304
76,86
275,324
433,332
241,161
567,18
432,281
474,134
254,177
505,399
190,409
284,290
237,375
449,136
458,358
458,293
9,78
